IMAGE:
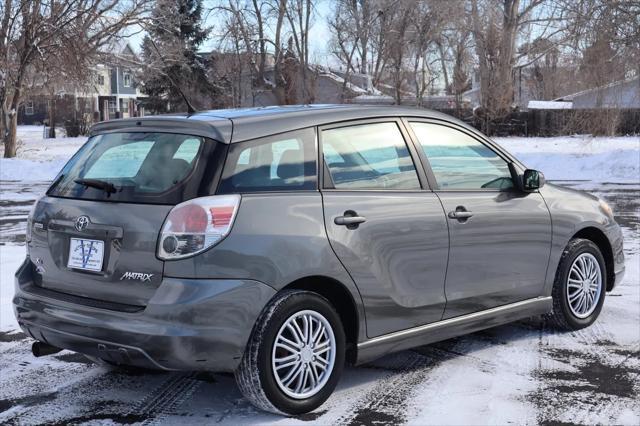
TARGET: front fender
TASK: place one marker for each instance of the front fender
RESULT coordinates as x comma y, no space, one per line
575,212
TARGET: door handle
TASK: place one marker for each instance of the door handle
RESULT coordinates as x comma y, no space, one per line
350,219
460,213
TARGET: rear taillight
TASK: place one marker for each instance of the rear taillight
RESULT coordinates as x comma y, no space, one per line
194,226
29,229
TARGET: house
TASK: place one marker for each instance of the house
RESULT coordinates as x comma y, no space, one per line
619,94
326,86
532,81
521,88
112,92
437,102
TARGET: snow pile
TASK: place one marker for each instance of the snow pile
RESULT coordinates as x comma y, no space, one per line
38,159
549,105
602,159
11,257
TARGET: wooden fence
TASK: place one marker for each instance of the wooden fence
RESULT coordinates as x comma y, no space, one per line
608,122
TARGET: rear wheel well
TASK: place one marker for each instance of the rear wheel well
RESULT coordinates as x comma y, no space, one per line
342,300
600,239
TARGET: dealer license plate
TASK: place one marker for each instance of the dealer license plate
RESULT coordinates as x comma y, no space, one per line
86,254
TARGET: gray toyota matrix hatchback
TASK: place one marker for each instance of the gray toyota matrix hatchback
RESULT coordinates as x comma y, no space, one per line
279,243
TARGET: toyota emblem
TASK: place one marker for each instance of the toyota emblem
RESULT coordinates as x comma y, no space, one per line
81,223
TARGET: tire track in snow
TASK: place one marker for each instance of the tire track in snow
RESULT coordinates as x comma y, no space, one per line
166,398
386,402
584,376
68,375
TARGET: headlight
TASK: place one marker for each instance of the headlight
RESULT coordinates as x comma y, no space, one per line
606,208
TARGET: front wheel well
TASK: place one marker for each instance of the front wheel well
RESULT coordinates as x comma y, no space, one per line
600,239
342,300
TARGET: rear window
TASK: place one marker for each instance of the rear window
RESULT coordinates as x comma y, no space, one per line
131,167
284,162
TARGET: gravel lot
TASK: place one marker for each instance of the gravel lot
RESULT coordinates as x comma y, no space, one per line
524,373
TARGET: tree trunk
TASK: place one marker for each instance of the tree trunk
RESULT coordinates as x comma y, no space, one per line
263,49
10,146
278,77
4,116
445,74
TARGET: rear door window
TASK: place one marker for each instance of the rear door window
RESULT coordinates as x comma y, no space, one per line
369,156
139,167
285,162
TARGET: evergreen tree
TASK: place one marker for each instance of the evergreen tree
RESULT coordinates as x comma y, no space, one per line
170,54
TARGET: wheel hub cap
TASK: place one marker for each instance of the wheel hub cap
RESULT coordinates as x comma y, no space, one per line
303,354
306,353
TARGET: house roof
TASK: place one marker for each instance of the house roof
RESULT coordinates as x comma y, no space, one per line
119,50
572,96
235,125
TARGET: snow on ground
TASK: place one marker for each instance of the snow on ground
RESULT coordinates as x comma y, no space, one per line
603,159
11,256
38,158
522,373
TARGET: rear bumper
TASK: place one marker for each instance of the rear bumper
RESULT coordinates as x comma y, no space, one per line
187,325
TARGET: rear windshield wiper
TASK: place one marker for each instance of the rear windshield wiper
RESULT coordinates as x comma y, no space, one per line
107,187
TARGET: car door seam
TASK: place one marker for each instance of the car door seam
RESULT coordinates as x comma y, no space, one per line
326,233
446,270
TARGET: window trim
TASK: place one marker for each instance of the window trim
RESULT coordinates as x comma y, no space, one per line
326,182
124,79
488,144
29,105
113,110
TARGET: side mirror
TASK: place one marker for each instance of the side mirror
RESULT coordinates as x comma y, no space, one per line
532,180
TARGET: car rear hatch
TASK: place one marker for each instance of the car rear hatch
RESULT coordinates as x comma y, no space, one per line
95,233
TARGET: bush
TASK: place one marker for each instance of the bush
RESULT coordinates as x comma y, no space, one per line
77,127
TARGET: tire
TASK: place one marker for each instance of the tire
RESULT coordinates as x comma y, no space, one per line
263,385
567,314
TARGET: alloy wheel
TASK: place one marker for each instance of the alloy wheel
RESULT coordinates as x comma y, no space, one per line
303,354
584,285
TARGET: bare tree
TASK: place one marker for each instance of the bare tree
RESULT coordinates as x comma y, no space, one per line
252,30
497,25
425,38
299,14
37,32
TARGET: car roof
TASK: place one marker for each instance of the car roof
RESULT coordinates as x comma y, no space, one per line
240,124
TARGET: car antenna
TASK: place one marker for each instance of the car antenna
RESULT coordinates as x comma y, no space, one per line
190,108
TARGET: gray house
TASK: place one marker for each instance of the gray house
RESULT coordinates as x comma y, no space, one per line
118,94
111,92
327,87
619,94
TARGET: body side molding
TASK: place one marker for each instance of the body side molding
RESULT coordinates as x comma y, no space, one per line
452,327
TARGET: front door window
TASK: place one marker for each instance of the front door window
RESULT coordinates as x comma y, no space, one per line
459,161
